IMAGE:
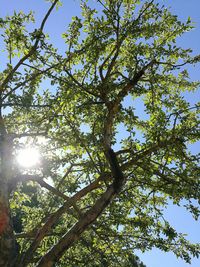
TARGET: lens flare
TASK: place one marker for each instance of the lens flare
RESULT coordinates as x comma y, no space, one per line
28,157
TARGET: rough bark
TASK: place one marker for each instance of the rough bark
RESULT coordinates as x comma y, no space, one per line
8,245
8,248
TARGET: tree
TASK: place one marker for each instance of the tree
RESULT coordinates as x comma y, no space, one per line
94,199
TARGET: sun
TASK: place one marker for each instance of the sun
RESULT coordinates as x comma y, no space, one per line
28,157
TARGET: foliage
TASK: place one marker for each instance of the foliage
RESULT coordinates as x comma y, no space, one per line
100,191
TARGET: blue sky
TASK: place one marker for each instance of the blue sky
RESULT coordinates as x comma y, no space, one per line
183,8
181,220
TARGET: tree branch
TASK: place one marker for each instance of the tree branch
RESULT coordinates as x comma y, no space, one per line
74,234
53,218
32,50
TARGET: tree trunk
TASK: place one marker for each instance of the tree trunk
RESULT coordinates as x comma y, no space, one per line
7,240
8,244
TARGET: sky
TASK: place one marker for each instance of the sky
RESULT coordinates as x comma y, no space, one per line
183,8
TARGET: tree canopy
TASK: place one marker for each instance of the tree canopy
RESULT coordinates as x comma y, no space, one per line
106,174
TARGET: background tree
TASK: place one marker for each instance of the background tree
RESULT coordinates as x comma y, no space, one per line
95,199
